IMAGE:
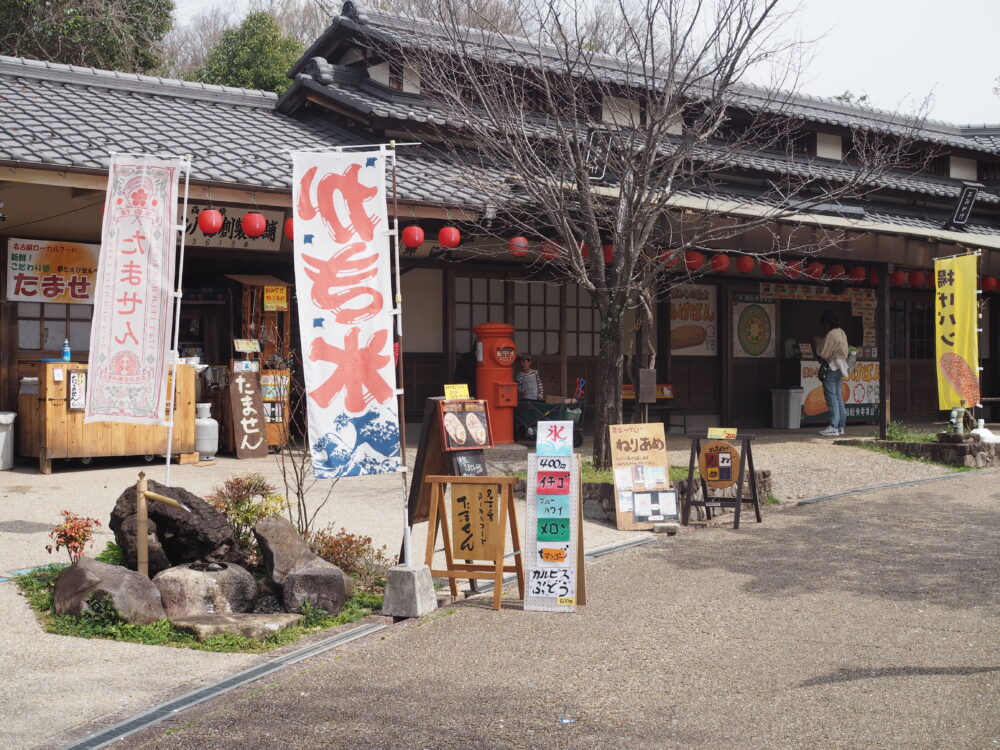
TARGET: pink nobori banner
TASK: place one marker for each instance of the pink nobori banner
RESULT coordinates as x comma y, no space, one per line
345,303
130,336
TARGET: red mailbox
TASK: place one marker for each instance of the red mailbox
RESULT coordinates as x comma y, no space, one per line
495,355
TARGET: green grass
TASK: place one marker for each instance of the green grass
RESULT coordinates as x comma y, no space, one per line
893,453
101,621
900,432
772,500
112,555
590,474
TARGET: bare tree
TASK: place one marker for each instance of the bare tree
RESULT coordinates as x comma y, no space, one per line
579,149
186,46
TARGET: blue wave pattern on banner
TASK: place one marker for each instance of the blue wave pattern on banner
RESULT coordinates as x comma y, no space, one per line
375,449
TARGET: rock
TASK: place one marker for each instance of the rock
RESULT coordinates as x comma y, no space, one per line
157,556
409,592
204,627
283,549
668,527
205,589
202,534
599,501
325,587
133,595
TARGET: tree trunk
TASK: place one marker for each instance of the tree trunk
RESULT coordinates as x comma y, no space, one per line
608,402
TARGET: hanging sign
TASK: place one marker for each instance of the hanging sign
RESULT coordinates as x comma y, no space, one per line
475,526
276,298
133,296
955,336
231,235
694,330
344,294
642,483
41,271
247,407
753,329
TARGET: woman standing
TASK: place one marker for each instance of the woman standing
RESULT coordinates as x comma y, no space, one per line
833,353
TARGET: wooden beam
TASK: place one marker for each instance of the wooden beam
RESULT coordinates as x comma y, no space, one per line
884,321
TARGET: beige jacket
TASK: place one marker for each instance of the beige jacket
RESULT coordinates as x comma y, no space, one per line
834,349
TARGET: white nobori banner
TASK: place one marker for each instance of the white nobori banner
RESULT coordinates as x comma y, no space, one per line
133,296
345,303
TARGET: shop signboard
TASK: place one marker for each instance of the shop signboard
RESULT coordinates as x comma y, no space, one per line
955,334
693,326
642,484
231,234
753,329
860,391
345,307
133,295
475,521
465,425
43,271
275,298
553,564
249,416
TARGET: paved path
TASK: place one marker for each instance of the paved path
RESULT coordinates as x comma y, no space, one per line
860,622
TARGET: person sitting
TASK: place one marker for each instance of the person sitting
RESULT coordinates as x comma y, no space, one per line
529,383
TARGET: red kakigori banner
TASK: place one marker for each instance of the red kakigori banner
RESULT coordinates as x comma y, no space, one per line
345,305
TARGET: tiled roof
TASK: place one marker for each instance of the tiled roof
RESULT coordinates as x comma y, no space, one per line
66,116
418,33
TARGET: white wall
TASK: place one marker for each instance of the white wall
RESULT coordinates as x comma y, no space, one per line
379,73
829,146
963,169
423,323
618,111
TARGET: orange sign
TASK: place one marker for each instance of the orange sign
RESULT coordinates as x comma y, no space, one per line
276,298
42,271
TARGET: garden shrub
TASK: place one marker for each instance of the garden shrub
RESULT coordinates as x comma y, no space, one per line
244,500
75,533
354,554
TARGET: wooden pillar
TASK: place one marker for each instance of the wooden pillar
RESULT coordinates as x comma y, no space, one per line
723,328
883,321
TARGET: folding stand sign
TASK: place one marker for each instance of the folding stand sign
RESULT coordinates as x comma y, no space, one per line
481,510
716,460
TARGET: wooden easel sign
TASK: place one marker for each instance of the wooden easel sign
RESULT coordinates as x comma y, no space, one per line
642,479
720,465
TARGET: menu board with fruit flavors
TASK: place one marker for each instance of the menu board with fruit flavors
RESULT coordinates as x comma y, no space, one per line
465,425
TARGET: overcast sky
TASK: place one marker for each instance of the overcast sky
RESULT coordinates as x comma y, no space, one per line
896,51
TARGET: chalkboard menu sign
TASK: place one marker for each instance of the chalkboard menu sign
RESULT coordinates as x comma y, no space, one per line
465,425
469,464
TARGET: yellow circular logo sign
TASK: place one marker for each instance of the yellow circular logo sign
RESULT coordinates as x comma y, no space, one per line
719,463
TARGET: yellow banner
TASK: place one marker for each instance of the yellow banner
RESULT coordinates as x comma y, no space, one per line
43,271
955,335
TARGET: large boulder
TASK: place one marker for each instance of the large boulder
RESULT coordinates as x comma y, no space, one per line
206,589
132,594
283,549
326,587
203,534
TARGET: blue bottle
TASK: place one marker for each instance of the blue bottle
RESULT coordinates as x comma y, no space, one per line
66,352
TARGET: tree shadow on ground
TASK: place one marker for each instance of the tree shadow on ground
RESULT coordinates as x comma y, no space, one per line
875,673
933,546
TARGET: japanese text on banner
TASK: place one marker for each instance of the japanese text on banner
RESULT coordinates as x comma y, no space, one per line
342,274
130,336
955,336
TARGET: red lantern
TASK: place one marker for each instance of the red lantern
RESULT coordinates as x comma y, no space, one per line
413,236
929,281
897,278
917,278
210,221
693,260
989,283
289,228
449,237
814,269
768,267
254,224
858,273
720,262
873,276
836,271
518,246
669,257
745,264
794,269
609,253
550,250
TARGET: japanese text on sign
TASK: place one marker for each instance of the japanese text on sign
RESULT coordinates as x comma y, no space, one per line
475,521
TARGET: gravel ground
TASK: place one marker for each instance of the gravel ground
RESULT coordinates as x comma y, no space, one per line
818,629
91,683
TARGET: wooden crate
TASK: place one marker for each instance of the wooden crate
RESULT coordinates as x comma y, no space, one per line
48,429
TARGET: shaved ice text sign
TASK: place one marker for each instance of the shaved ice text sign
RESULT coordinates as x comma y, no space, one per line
342,274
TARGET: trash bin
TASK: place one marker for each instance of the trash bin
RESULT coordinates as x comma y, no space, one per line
786,408
7,440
